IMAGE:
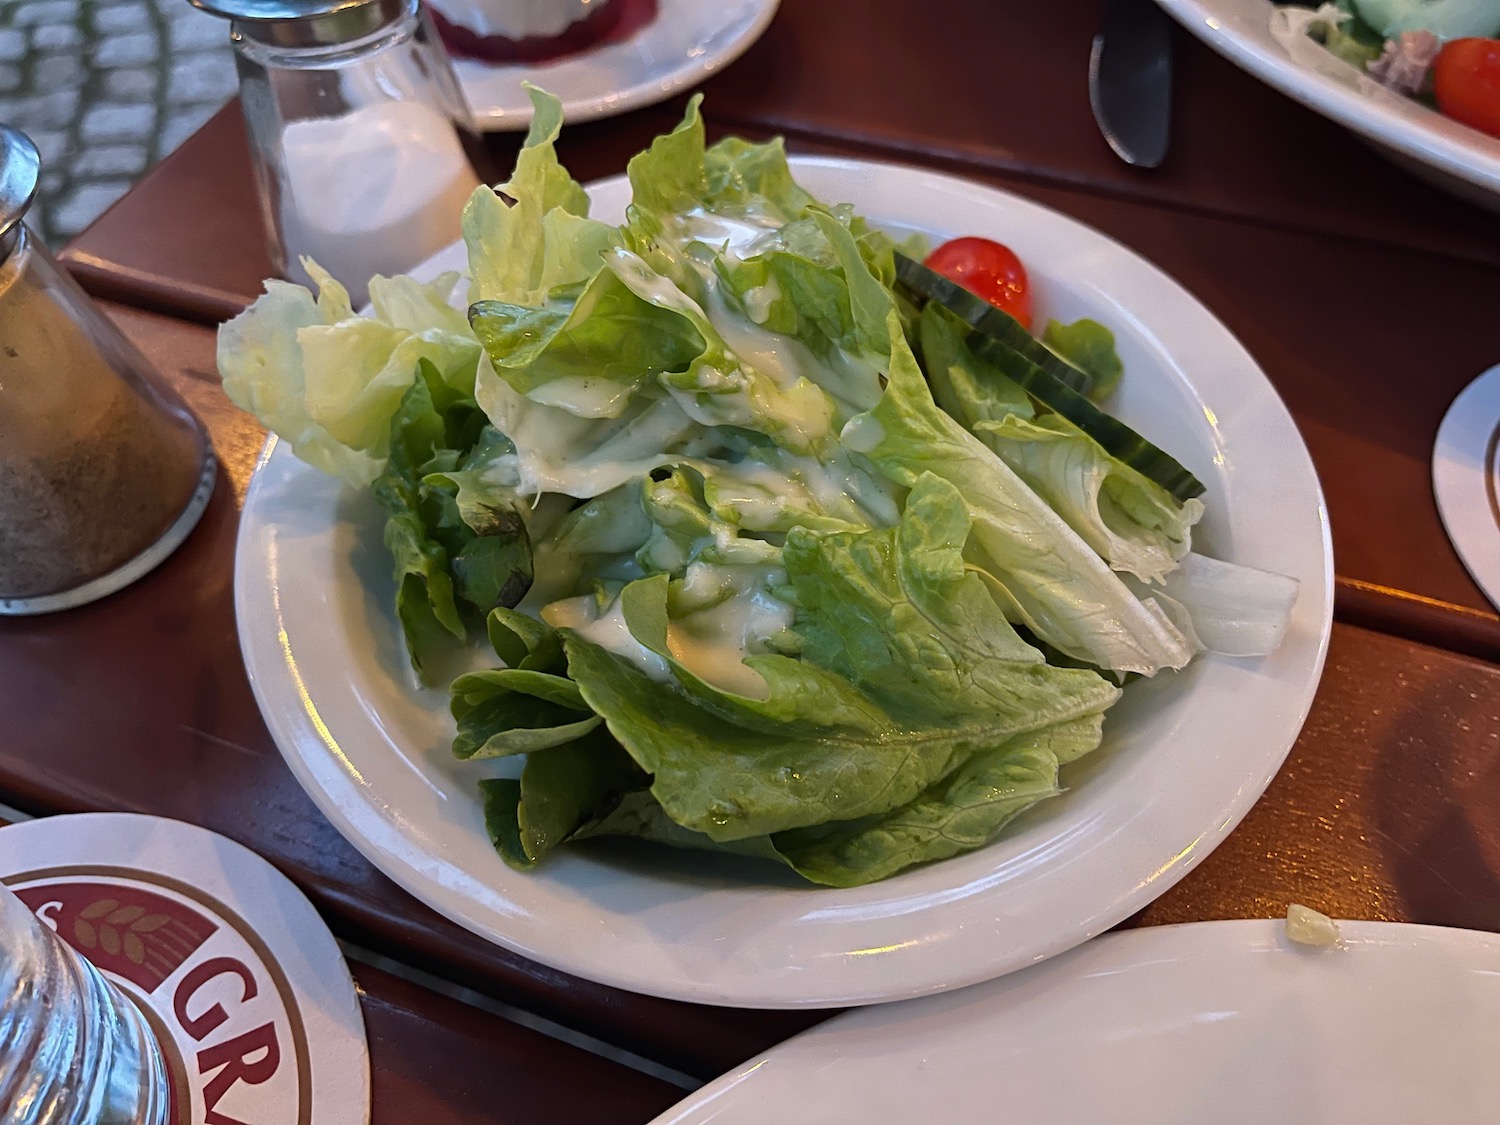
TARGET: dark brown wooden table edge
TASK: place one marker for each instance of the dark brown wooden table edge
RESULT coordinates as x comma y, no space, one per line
1412,617
110,281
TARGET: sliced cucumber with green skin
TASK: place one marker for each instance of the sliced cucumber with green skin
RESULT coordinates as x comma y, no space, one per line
1447,19
984,317
1043,382
1118,439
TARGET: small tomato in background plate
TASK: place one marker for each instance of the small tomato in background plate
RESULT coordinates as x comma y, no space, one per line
988,270
1466,83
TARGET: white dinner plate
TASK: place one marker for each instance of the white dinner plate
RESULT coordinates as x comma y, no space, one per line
1453,156
686,42
1223,1022
1185,755
1466,479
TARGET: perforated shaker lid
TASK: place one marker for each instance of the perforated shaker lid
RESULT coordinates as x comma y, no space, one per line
306,23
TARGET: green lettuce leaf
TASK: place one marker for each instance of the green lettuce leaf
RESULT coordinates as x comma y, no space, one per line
952,680
329,382
589,357
963,811
968,389
560,789
505,711
1046,576
1131,521
959,813
678,173
685,530
559,452
718,387
519,251
444,550
1090,347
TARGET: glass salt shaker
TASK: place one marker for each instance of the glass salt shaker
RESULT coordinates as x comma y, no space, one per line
103,471
359,133
74,1049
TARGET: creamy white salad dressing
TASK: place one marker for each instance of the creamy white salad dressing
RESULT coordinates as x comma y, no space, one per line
587,396
740,616
781,359
728,614
557,451
862,433
714,642
759,298
742,236
784,359
608,630
758,493
837,479
797,405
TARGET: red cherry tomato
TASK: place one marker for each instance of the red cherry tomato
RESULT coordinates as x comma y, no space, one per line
1466,82
987,269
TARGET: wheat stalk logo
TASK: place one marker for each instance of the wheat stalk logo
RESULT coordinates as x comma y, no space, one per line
99,926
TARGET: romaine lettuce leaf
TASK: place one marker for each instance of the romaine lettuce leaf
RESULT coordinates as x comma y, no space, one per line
1131,521
1230,609
1049,578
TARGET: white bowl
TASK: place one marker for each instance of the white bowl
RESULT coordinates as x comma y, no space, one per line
1447,154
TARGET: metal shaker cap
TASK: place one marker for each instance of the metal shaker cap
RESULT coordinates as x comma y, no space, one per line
20,167
306,23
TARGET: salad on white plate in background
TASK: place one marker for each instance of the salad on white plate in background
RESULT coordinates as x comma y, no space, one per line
1443,53
778,554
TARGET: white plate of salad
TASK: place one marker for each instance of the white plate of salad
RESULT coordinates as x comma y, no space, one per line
639,52
1228,1022
686,552
1419,78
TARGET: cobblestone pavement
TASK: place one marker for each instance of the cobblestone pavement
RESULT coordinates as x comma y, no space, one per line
106,88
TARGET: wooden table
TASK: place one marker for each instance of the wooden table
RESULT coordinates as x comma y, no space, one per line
1350,282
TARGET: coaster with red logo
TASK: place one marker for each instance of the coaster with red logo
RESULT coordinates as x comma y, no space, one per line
244,985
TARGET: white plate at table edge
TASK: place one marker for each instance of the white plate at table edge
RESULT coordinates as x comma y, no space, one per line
685,43
1210,1021
1185,756
1452,156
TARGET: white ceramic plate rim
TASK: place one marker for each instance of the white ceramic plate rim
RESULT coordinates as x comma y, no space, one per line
1174,979
582,81
1122,842
1464,472
1406,126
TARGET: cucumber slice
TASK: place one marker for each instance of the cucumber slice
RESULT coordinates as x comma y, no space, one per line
1014,357
984,317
